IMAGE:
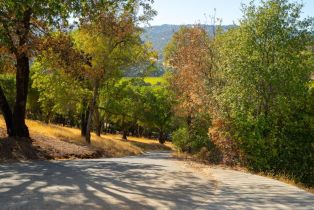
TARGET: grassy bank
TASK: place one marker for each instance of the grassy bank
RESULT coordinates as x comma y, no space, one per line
203,161
58,142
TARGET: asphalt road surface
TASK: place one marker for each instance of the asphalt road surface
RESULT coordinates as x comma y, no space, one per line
151,181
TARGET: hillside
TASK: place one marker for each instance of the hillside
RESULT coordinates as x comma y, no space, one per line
159,36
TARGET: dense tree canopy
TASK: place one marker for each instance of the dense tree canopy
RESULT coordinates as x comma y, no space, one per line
253,83
265,65
23,23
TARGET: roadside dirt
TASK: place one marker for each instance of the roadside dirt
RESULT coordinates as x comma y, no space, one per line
43,147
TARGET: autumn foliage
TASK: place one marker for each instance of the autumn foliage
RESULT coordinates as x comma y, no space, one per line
250,87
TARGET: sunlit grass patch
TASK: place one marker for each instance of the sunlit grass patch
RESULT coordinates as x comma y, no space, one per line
111,144
154,80
151,80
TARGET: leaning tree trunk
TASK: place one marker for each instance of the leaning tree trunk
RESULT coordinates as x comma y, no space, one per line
84,116
91,112
7,113
22,78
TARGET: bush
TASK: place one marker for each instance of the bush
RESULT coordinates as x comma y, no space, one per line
190,141
180,138
199,141
279,147
225,149
193,137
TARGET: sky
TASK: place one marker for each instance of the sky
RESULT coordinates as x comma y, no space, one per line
198,11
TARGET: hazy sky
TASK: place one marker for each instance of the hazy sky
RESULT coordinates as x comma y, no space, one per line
193,11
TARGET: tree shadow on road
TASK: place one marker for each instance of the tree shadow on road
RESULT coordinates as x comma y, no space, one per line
95,184
117,184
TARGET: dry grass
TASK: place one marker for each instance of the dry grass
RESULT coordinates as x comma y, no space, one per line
286,179
59,138
196,159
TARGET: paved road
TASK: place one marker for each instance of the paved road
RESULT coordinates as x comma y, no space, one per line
151,181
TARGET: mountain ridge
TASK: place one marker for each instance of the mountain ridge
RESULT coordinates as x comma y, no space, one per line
160,35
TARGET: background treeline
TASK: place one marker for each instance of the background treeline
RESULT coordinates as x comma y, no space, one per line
131,106
245,96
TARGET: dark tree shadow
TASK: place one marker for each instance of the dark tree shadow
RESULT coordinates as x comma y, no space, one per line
146,182
15,149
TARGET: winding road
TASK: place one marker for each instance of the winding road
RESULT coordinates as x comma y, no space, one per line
151,181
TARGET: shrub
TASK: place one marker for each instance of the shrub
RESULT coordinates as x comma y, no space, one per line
225,149
180,139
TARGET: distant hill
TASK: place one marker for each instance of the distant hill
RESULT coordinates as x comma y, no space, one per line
161,35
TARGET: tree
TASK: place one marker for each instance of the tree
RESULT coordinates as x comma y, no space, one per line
59,92
121,102
265,66
156,109
88,61
20,22
190,57
133,104
113,43
59,74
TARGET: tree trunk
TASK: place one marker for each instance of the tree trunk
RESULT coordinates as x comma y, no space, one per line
84,116
124,136
7,113
91,112
100,122
99,127
161,137
47,118
22,78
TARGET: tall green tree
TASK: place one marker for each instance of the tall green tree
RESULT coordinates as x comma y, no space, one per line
134,103
265,66
156,109
58,92
111,53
